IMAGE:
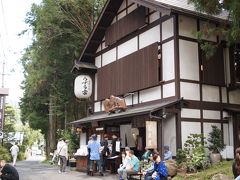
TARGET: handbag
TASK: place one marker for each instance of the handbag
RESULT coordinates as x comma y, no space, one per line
56,158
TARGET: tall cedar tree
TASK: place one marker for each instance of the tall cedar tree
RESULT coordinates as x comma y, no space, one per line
60,29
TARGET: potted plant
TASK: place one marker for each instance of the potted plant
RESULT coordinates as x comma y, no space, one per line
216,144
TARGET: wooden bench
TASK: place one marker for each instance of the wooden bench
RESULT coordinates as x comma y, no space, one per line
135,176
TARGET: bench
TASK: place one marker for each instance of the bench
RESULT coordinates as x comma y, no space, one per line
135,176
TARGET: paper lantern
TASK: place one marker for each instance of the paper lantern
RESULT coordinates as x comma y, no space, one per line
83,86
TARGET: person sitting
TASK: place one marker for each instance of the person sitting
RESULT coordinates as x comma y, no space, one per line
132,168
236,164
145,156
8,172
148,168
167,153
160,171
126,160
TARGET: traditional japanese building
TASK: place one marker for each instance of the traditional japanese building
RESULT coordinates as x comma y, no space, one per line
146,51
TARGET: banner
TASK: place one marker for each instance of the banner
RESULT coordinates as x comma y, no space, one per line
151,134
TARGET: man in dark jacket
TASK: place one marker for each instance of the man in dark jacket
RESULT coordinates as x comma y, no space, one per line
8,172
105,151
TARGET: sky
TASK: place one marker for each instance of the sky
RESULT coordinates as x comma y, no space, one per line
12,16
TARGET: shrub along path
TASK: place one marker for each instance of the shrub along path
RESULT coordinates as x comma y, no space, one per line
224,167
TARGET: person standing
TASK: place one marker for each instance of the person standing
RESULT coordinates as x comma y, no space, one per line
95,155
14,152
63,156
105,151
8,172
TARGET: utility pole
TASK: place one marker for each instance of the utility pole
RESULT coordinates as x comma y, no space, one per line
3,93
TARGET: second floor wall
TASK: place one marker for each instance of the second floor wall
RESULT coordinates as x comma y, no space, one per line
181,65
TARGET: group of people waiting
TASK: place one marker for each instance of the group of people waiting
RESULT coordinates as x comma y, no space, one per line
154,167
98,151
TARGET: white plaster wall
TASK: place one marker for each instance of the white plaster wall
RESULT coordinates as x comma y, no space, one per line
226,134
114,20
210,93
168,60
127,47
187,26
207,128
121,15
135,98
102,108
97,106
186,131
227,65
103,45
99,48
153,17
190,91
150,36
109,57
230,125
128,99
98,61
150,94
96,85
167,29
210,114
123,6
83,139
190,113
224,95
211,38
168,90
234,97
189,63
169,137
132,8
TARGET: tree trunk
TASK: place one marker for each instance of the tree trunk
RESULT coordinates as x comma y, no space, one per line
52,126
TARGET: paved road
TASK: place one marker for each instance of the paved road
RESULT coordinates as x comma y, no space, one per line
33,169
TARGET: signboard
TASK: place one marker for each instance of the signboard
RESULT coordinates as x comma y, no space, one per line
83,86
1,134
151,134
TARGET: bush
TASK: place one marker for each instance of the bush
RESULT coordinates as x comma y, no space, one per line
193,153
181,156
21,156
5,154
216,140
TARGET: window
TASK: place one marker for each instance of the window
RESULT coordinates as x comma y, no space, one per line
212,68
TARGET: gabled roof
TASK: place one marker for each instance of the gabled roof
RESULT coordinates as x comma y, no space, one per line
111,8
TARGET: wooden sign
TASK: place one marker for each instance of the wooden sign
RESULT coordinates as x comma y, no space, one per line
151,134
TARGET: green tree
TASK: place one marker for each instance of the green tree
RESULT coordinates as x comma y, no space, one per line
60,29
9,123
230,30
